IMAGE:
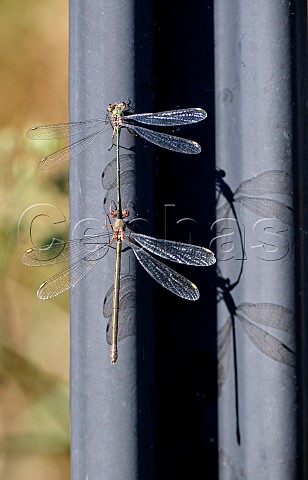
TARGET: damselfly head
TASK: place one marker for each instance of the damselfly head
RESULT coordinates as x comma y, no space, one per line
117,108
114,213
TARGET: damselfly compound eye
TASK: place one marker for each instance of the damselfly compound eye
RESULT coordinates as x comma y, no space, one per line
125,213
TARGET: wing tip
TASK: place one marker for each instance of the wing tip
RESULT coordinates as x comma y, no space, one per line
197,147
30,132
43,164
196,292
24,257
211,259
40,292
203,112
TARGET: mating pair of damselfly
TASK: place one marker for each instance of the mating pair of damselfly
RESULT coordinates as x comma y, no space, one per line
90,249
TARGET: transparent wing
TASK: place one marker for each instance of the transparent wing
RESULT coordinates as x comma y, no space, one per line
58,252
127,288
268,208
271,181
267,343
126,324
126,320
269,314
176,251
67,278
172,118
127,194
62,130
70,151
170,142
166,276
109,175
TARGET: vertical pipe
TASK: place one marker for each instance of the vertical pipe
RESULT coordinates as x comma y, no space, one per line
104,398
255,239
300,73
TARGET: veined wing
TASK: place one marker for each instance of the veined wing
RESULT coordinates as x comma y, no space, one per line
109,176
127,291
126,324
70,151
172,118
170,142
67,278
166,276
271,181
126,321
59,251
62,130
176,251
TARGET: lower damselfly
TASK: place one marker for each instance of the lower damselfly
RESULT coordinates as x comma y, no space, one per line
116,119
90,249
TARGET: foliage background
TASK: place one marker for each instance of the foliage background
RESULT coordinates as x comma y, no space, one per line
34,344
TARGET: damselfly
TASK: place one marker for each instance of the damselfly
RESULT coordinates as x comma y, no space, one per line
117,119
90,249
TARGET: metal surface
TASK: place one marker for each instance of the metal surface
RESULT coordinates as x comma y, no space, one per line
115,409
300,74
256,281
105,410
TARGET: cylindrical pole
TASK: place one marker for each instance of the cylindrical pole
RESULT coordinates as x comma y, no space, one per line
105,400
255,240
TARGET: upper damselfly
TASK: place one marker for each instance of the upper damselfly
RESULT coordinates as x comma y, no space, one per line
118,118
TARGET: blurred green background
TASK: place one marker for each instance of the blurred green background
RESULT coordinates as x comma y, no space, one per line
34,345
